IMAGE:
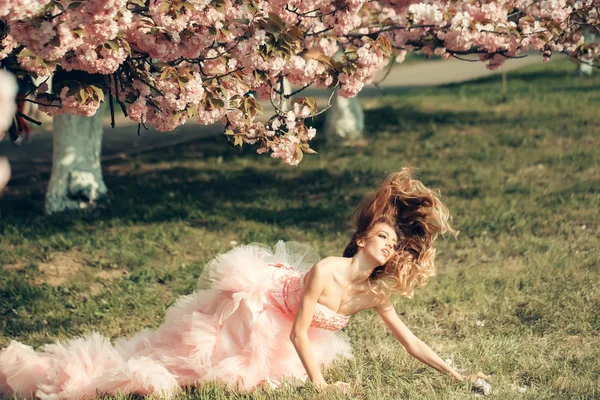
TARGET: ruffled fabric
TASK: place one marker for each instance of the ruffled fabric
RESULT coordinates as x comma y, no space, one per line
234,329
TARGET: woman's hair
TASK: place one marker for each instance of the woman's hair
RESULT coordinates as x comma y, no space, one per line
418,215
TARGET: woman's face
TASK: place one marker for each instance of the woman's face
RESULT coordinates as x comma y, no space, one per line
380,243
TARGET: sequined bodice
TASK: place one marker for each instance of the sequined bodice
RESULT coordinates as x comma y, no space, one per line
285,295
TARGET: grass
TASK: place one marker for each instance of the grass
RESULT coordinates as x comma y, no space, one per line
519,170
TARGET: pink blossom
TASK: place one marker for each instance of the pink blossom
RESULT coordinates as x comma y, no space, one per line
202,59
21,9
286,149
7,45
70,104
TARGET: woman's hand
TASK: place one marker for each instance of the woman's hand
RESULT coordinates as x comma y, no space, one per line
480,384
479,375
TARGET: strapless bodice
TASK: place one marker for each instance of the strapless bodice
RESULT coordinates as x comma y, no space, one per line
285,295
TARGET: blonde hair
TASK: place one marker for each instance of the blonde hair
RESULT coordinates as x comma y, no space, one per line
418,216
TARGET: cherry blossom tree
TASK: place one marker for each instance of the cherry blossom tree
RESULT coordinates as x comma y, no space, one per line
165,62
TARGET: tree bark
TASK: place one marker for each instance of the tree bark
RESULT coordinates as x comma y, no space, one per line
584,69
76,182
345,121
287,89
4,172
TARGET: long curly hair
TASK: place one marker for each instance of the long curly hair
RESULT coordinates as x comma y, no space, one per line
418,216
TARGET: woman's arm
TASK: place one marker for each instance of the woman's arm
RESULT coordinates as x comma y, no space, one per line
413,345
313,287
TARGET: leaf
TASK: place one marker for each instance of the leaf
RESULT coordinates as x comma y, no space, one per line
98,92
83,95
275,21
59,6
311,54
191,111
167,73
79,32
112,44
188,6
164,7
74,5
260,75
384,45
229,132
55,41
139,3
307,149
72,91
299,153
311,103
295,33
25,53
238,141
326,60
218,103
253,7
185,35
127,47
528,18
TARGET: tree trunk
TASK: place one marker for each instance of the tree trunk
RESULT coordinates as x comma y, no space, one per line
76,181
287,89
583,68
345,121
4,172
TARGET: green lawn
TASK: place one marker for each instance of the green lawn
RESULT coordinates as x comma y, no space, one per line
520,171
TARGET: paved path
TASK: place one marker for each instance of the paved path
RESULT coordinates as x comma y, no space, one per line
36,157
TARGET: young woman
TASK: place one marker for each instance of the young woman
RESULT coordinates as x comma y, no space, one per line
259,315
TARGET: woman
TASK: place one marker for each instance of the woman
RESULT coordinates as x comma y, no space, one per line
258,316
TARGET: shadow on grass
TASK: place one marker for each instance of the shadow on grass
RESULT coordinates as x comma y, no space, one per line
408,116
535,74
210,196
140,190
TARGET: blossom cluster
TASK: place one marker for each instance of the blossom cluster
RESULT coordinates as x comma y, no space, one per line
168,61
497,30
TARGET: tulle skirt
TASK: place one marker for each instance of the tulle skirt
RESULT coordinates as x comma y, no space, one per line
228,331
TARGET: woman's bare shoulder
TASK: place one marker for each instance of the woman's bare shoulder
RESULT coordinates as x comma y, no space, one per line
330,263
335,260
326,267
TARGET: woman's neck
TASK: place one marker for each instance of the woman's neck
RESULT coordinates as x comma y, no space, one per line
360,269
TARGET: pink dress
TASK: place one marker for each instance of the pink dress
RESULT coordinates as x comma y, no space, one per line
234,329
